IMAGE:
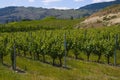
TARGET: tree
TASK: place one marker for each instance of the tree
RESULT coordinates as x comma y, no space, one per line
88,48
12,50
3,46
76,46
109,50
71,18
98,49
2,51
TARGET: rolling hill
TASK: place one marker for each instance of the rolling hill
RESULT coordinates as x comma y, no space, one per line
14,13
52,49
10,14
106,17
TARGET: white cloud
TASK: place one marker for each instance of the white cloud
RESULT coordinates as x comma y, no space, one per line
78,0
61,8
31,0
95,1
50,1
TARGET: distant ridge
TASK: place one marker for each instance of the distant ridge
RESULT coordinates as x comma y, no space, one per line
98,6
14,13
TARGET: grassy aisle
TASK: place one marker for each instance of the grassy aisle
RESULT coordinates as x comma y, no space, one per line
79,70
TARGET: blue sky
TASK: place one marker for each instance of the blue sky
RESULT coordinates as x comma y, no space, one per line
59,4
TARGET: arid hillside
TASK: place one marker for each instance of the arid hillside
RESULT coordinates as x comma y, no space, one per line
107,17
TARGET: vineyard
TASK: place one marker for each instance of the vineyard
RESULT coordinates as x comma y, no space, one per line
46,24
52,43
60,47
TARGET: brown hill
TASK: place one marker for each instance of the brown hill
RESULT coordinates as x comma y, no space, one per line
105,17
107,10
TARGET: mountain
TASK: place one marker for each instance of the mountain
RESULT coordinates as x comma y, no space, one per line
106,17
13,13
97,6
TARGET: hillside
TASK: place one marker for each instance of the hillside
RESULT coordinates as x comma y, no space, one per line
50,43
98,6
14,13
36,70
106,17
44,44
37,48
49,23
10,14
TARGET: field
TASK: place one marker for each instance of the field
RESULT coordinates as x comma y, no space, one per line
79,70
38,51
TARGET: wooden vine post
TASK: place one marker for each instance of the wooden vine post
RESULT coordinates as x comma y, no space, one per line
65,46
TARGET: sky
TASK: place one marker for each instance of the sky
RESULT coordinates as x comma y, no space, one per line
58,4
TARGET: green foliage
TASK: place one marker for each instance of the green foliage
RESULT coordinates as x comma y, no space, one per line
49,23
51,43
79,70
49,18
48,46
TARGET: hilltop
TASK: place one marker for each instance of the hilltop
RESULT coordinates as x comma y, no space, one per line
98,6
106,17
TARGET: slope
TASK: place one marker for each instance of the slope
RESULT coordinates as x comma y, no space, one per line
106,17
12,13
49,23
79,70
97,6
